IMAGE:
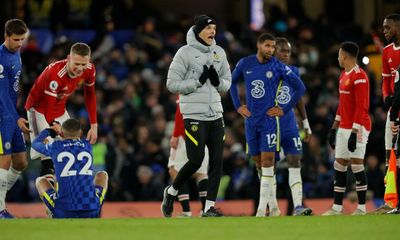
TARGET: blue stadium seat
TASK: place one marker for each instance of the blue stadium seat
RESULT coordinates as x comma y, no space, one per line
44,38
122,36
74,35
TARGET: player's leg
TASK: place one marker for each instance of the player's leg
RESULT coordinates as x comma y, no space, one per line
267,190
357,166
101,184
37,123
194,141
215,144
18,158
5,162
202,179
292,144
176,160
47,193
342,157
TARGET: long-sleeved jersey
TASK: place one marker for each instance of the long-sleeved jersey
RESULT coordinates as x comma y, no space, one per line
51,90
73,164
10,72
353,106
390,63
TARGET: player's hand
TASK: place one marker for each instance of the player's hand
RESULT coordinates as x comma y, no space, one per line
388,102
275,112
352,143
307,130
214,79
394,126
204,76
173,143
244,111
92,134
332,138
23,124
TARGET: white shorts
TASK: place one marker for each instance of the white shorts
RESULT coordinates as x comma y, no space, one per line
342,139
388,134
37,123
178,157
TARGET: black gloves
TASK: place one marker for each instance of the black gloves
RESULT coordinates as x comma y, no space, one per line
388,102
52,132
204,76
332,138
214,76
352,144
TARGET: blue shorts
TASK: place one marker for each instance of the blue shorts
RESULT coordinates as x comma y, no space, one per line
11,137
262,135
50,199
291,142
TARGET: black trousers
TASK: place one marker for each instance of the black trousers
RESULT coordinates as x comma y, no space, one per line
199,134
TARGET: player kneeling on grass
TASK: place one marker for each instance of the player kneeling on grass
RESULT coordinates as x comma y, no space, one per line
79,193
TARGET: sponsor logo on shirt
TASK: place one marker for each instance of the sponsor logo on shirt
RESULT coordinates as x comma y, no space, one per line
1,71
283,95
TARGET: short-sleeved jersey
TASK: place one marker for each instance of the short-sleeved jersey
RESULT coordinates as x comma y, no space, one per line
53,87
262,81
353,106
10,72
73,164
288,120
390,63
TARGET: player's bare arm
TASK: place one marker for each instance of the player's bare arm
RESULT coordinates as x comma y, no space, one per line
244,111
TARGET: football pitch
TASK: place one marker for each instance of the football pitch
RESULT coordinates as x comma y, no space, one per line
317,227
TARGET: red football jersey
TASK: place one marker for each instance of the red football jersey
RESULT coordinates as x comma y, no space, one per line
52,88
179,127
390,63
353,106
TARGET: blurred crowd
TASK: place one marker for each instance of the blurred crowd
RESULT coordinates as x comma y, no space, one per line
132,48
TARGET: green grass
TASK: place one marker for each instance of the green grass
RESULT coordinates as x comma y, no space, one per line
244,228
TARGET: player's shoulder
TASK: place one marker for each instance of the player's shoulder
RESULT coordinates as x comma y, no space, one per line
248,60
359,73
388,47
58,68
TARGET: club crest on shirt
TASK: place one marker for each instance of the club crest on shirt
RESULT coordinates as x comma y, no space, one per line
347,82
80,82
7,145
194,128
269,74
53,85
216,56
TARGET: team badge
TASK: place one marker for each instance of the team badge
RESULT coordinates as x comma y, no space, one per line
53,85
7,145
216,56
269,74
80,82
347,82
194,128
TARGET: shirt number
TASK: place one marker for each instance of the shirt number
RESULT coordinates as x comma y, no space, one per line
66,172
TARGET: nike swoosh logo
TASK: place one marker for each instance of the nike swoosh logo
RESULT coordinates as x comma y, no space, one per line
249,72
196,56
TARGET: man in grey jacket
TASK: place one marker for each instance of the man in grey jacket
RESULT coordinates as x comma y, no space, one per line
198,73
